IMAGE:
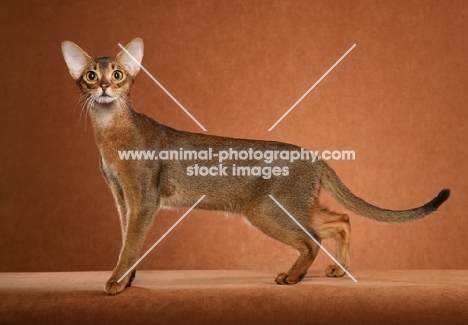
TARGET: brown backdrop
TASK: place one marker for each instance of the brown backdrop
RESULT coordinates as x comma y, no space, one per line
398,99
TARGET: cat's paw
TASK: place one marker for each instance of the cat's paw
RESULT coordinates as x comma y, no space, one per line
334,271
112,287
132,277
285,278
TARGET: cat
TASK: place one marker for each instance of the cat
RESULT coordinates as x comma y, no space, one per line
141,187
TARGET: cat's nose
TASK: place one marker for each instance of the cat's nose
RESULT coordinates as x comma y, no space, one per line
104,86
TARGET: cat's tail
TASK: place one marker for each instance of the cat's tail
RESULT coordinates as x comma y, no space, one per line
343,195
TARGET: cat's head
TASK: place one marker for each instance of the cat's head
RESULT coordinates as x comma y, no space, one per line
104,80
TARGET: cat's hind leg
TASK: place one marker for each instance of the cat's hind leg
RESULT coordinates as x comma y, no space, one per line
329,224
308,250
288,233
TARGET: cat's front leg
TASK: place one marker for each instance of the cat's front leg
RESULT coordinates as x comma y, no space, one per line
117,192
139,219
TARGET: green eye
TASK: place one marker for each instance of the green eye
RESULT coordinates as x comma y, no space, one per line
117,75
91,76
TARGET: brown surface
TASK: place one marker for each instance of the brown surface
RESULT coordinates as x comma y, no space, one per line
398,99
236,297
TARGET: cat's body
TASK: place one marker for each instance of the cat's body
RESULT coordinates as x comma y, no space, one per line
142,187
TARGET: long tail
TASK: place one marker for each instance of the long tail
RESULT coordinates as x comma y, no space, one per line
343,195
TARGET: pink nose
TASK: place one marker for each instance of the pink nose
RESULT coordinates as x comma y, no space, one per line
104,86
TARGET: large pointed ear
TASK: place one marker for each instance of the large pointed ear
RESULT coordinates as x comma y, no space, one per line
75,58
135,50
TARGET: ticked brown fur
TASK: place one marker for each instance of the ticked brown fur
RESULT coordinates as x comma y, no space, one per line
142,187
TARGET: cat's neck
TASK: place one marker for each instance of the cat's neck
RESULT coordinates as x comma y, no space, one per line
105,116
112,122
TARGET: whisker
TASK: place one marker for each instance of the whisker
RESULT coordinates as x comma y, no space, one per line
90,103
82,108
78,101
125,100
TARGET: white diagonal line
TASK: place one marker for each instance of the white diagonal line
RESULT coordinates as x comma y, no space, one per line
160,239
310,89
313,238
162,87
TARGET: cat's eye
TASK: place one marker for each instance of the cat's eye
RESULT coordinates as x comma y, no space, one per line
117,75
91,76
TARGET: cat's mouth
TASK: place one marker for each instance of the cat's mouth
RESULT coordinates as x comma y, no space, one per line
105,98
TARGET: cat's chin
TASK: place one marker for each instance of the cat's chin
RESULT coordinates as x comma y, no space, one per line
105,99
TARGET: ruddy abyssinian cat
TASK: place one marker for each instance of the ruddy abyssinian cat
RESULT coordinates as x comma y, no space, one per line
142,187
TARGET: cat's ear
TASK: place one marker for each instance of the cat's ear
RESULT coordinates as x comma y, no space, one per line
135,49
75,58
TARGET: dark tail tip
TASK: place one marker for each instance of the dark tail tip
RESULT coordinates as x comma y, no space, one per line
439,199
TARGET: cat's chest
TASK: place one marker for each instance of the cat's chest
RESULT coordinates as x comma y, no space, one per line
115,138
110,163
112,154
